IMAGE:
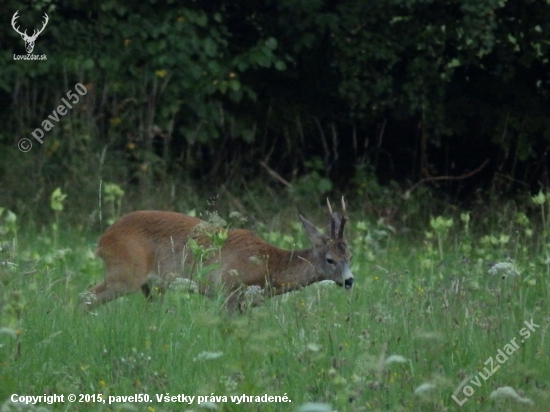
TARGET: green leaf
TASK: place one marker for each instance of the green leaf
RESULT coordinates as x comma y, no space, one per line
56,200
324,185
271,43
210,47
235,85
453,63
88,64
280,65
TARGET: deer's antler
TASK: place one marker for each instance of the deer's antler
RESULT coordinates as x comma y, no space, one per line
343,220
332,220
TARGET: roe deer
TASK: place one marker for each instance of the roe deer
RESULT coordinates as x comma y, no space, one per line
144,247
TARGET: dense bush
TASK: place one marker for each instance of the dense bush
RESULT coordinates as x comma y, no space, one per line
406,90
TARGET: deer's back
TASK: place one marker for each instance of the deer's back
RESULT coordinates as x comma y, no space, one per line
145,233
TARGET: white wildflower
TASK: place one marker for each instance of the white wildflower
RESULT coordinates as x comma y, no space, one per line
87,297
9,265
256,260
229,383
313,347
253,295
61,253
237,216
425,387
315,407
254,291
507,392
504,269
10,406
327,283
211,406
207,356
184,284
8,331
395,359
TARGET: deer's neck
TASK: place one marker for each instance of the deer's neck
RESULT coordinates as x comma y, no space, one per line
295,270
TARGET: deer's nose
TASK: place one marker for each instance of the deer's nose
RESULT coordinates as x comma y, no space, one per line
348,283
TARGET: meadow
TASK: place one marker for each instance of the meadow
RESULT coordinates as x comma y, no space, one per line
452,315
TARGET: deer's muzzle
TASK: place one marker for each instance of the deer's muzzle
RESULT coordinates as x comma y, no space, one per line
347,277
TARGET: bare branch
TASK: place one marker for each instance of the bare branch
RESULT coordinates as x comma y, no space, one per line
464,176
275,174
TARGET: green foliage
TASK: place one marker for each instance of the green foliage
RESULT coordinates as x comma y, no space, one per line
208,89
8,224
56,203
113,195
153,62
56,200
406,52
314,182
441,227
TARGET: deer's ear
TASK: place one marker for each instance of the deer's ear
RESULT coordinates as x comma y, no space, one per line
316,237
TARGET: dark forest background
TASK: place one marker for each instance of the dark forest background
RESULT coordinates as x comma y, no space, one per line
313,96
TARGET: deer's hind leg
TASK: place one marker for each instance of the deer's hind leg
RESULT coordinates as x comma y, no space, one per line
120,279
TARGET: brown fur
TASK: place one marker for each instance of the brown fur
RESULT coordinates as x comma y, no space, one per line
145,247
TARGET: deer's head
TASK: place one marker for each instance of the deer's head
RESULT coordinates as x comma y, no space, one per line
331,254
29,40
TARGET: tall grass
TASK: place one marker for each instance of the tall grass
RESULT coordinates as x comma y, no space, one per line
427,311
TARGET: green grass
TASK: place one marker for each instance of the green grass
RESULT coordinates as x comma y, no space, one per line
429,300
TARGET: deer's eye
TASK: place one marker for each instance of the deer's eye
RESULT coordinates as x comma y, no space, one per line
331,261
